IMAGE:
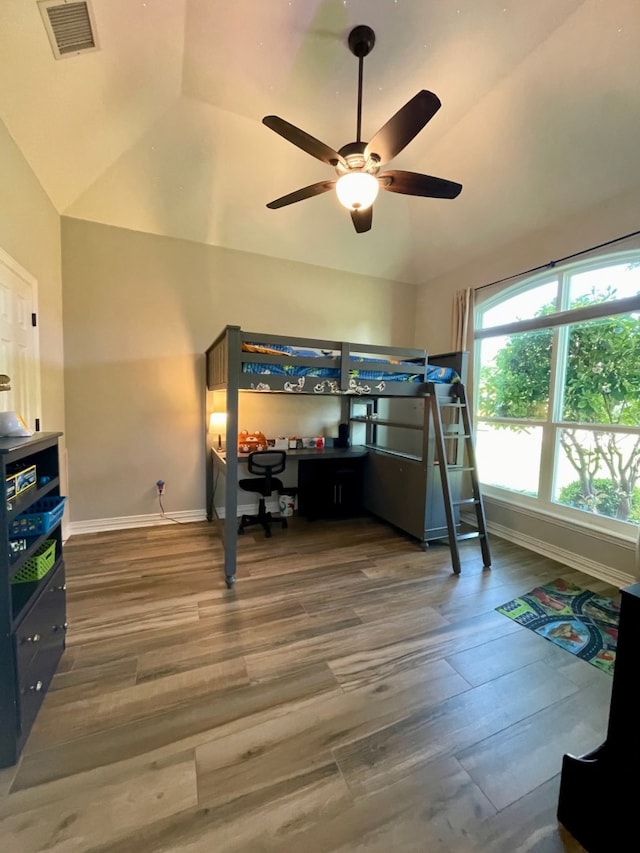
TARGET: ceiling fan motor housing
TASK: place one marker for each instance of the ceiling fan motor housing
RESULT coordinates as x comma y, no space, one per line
355,159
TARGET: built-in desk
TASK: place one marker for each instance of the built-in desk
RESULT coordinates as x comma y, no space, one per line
329,481
306,453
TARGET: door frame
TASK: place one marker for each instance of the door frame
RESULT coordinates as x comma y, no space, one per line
34,399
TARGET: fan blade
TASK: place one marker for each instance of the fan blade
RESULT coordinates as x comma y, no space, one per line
301,194
362,219
403,126
412,183
303,140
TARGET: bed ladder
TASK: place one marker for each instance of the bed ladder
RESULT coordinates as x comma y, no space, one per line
456,444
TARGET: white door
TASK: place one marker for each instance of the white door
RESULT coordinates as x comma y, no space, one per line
19,351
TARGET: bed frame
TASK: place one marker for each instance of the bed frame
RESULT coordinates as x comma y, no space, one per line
226,363
228,368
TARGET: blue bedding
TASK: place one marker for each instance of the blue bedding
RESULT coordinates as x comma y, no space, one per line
433,374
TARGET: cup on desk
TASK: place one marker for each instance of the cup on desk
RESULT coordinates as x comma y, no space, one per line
320,442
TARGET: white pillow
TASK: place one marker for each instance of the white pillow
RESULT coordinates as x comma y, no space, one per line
11,424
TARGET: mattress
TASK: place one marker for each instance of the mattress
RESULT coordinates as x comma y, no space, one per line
433,373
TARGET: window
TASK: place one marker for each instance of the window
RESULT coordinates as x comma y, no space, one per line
557,391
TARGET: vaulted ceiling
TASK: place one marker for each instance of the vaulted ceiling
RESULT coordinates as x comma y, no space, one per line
160,129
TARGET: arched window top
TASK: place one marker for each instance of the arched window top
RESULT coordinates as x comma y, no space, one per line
596,287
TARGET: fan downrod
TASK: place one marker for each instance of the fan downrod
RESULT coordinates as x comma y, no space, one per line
361,40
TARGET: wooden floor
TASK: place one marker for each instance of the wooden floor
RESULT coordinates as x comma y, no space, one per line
351,694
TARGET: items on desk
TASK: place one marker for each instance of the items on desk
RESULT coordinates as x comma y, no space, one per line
218,425
248,442
251,441
312,442
343,436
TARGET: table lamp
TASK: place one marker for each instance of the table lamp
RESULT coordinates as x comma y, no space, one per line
218,424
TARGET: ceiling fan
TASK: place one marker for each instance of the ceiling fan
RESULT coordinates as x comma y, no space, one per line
358,163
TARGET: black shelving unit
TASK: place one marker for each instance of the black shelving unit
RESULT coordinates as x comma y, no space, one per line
33,620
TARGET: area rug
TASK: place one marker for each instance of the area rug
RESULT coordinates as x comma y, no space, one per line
576,619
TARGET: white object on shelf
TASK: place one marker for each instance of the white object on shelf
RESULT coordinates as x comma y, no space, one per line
11,424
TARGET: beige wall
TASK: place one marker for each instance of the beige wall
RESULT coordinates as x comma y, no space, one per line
139,312
433,331
608,221
30,234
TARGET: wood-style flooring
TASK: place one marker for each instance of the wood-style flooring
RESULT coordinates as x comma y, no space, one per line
350,694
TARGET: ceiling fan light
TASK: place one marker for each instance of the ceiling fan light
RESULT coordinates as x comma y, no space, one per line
357,190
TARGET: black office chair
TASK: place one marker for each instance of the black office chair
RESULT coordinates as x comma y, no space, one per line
265,463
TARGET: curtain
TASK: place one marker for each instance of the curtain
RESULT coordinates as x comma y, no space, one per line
462,333
462,320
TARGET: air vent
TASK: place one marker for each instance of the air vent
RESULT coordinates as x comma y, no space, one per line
70,26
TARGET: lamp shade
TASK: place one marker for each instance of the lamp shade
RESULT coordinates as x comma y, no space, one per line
357,190
217,421
218,425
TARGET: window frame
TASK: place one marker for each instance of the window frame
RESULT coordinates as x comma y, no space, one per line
551,425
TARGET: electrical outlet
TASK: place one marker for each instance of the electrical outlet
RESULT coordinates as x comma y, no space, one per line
160,486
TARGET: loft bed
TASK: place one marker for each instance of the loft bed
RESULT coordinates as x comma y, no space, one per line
270,363
240,361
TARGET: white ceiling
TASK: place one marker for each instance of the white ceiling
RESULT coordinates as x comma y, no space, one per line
160,129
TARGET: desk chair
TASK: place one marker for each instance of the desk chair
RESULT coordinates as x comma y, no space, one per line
265,463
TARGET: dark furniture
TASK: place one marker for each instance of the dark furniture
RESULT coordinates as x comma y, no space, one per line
264,463
32,613
402,482
240,362
330,488
598,791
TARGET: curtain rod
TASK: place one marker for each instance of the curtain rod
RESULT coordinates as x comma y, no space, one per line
552,264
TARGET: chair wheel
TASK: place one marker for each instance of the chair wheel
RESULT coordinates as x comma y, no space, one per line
241,531
284,522
230,581
267,534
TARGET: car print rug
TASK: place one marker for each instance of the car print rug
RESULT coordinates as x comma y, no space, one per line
578,620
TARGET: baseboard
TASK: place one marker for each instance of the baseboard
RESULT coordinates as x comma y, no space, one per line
568,558
125,522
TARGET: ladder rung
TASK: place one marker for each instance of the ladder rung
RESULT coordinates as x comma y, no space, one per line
458,428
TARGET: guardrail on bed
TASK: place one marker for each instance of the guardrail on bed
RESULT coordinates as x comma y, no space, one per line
313,366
